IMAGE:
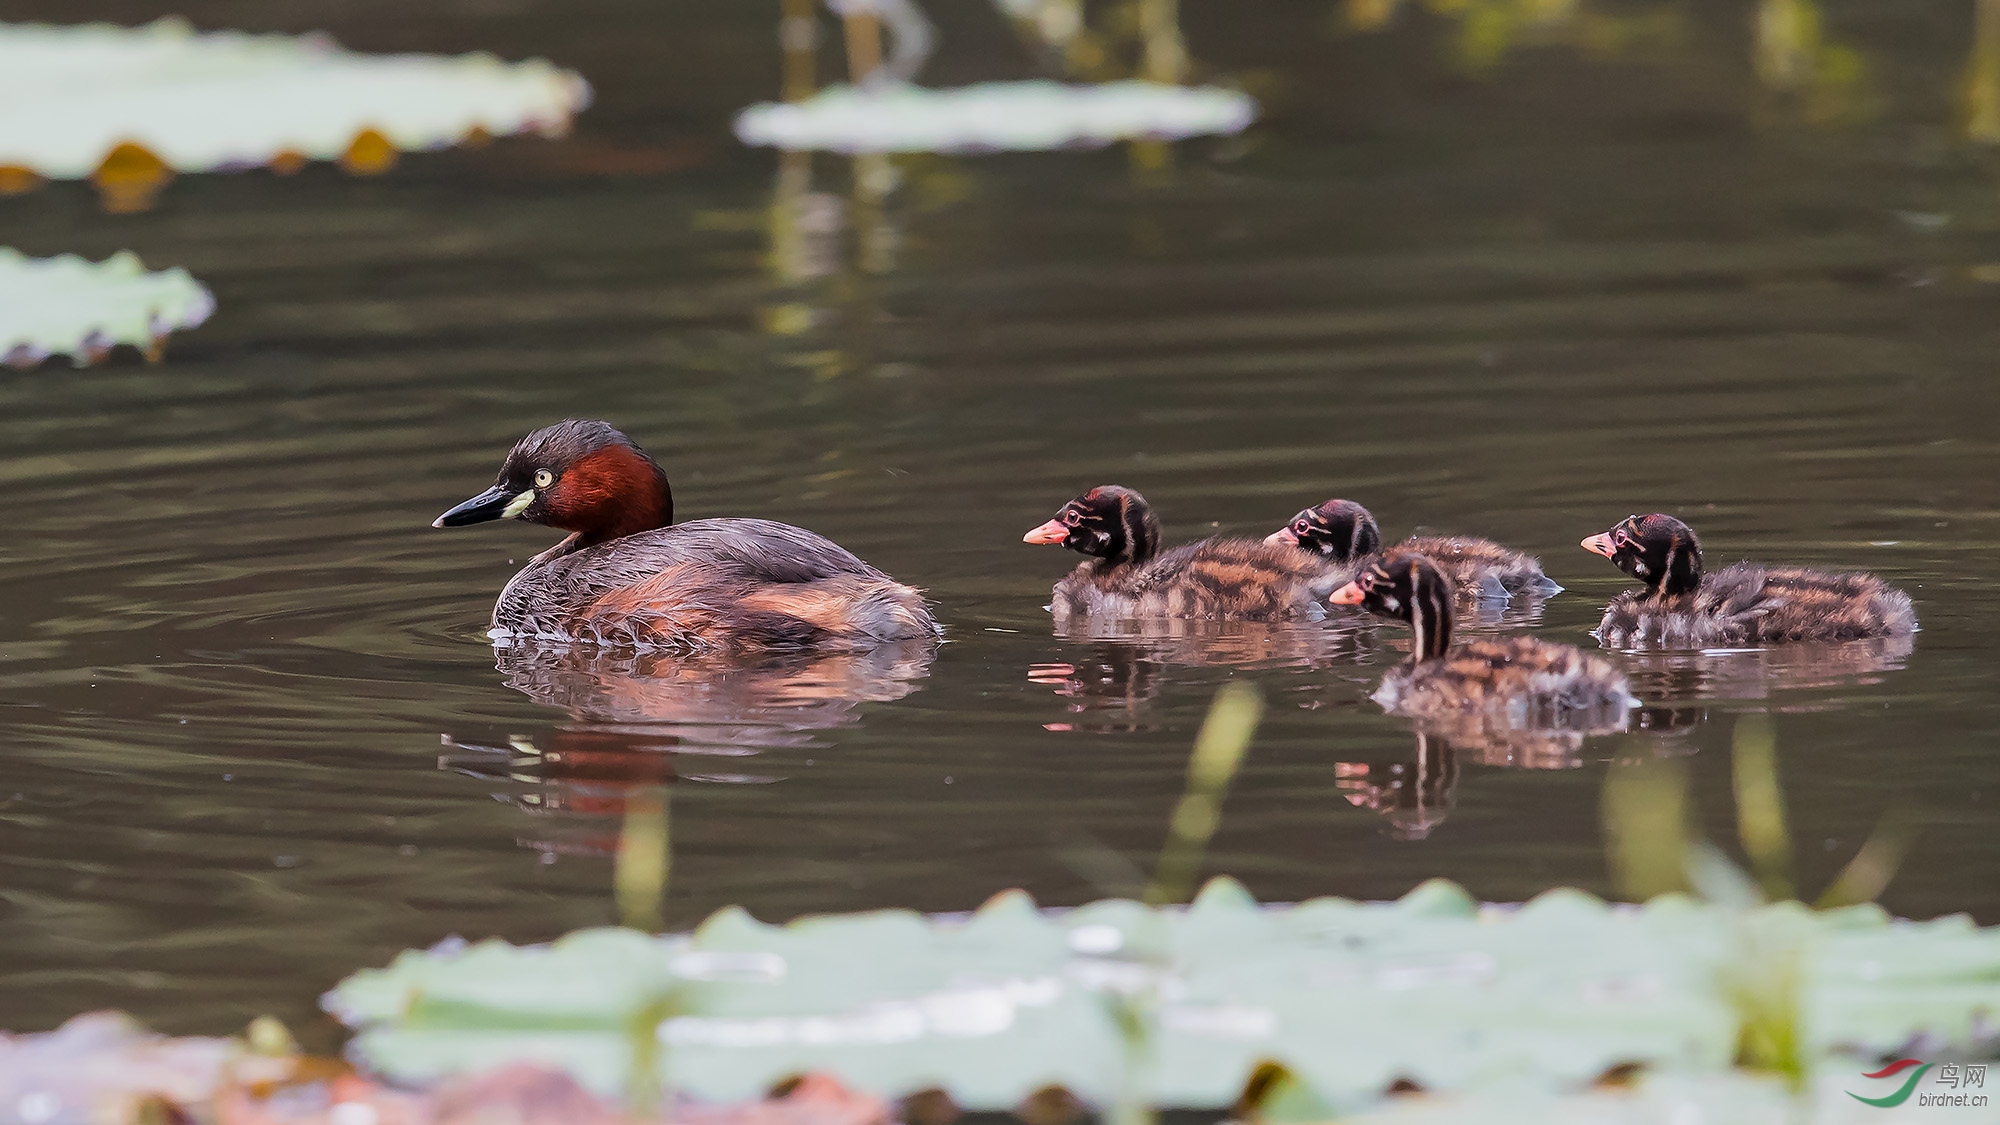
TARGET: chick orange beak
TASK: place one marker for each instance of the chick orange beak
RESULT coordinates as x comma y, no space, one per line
1349,594
1600,545
1282,537
1053,531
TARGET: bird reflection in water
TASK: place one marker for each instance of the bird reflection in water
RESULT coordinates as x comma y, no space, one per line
1110,687
638,720
1108,691
1522,611
1415,797
1412,797
1758,673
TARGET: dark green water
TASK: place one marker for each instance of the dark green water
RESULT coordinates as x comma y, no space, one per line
1520,306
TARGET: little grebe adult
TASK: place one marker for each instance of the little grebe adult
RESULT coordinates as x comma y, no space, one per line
1343,531
1526,683
628,575
1743,603
1127,575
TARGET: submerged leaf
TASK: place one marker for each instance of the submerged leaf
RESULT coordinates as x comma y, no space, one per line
1646,828
645,858
1869,872
1218,752
67,306
993,116
1760,805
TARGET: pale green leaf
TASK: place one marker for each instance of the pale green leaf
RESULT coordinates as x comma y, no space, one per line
201,102
68,306
992,116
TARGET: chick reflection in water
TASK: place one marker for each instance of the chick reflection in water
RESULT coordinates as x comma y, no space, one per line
1412,797
1415,796
1758,673
1111,685
637,718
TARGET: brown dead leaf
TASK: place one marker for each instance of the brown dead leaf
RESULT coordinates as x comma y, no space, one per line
103,1068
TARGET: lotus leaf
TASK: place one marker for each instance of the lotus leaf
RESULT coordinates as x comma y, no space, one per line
1184,1005
993,116
71,97
67,306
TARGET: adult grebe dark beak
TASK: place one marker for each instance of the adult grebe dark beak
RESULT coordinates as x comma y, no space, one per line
496,503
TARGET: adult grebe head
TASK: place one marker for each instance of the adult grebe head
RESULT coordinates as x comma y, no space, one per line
579,476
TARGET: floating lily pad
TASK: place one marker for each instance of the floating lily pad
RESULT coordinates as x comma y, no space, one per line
117,103
68,306
1348,998
993,116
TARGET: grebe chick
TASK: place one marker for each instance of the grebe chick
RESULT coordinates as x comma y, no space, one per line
627,575
1342,531
1520,682
1127,575
1741,604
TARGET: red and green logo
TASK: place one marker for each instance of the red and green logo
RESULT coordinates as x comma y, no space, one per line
1902,1095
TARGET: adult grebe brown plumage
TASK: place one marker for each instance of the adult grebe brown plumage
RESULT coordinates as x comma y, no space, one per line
628,575
1520,681
1743,603
1344,532
1127,575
